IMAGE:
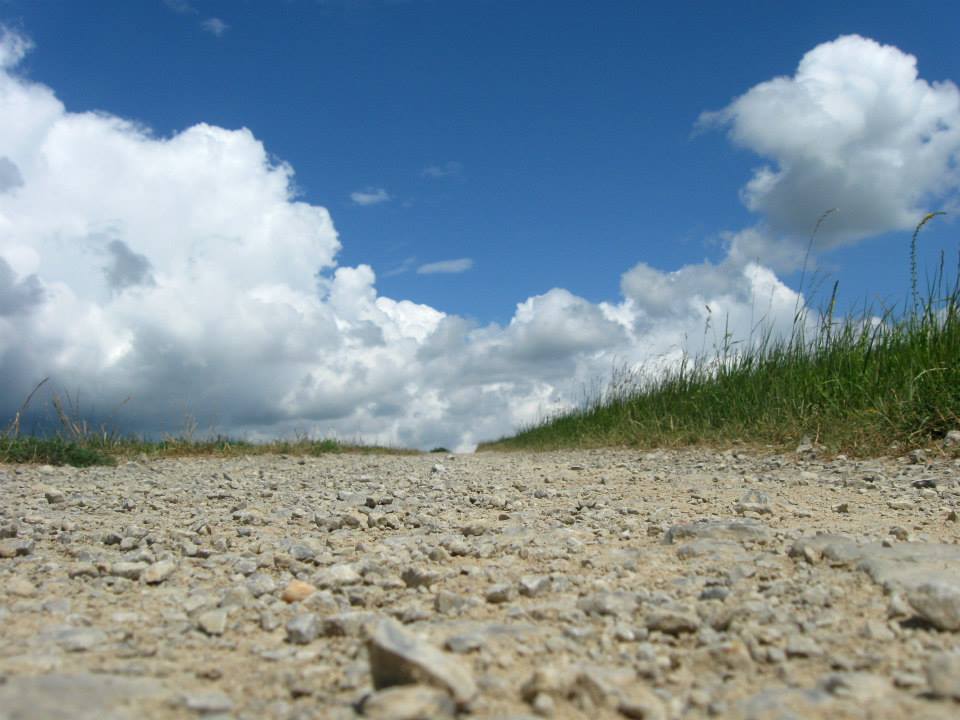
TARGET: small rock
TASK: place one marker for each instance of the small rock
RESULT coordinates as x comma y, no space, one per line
397,657
464,643
409,702
802,646
207,702
672,621
337,576
16,548
534,585
303,629
500,593
943,675
128,570
952,439
55,497
938,602
213,622
297,590
754,501
260,584
159,571
419,577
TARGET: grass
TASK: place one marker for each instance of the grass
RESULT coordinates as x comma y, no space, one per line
863,385
78,444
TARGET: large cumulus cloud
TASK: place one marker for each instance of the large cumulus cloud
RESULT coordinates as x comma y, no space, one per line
855,128
185,274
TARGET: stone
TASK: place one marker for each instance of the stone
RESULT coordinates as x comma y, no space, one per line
415,577
212,622
159,571
260,584
336,576
398,657
55,497
303,629
672,621
409,702
738,530
296,591
128,570
207,702
500,593
16,548
943,675
754,501
534,585
938,602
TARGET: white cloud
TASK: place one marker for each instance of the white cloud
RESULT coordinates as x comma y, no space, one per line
182,272
181,7
451,168
404,267
215,26
855,128
370,196
446,266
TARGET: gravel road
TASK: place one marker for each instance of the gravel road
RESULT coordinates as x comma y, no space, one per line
592,584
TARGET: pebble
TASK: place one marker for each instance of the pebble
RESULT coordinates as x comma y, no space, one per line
303,629
398,657
212,622
943,675
158,572
297,590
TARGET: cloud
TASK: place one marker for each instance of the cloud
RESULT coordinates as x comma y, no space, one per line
446,266
404,267
181,7
855,128
447,169
13,48
184,273
370,196
215,26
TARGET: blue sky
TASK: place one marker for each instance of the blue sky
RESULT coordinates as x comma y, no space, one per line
525,145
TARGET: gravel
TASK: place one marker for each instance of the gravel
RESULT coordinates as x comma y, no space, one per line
590,584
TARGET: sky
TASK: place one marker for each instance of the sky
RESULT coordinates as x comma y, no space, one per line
431,222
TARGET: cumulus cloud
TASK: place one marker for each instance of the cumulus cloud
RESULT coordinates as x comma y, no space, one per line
370,196
215,26
184,273
855,128
446,266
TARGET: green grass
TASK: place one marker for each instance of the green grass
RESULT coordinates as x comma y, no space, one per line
108,450
861,385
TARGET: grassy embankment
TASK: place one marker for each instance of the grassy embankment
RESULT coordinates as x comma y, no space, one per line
80,445
865,384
